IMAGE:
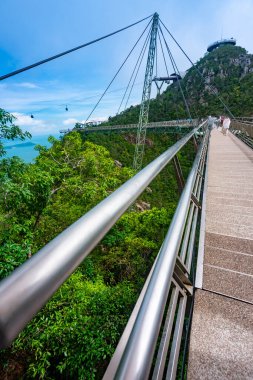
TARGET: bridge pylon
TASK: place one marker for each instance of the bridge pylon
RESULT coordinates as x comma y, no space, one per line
144,109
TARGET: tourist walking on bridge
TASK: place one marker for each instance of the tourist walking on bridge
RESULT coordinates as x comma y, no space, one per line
221,120
226,125
210,121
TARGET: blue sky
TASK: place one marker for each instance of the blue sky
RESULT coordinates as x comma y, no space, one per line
32,30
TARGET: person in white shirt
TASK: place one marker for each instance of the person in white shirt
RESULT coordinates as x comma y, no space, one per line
226,125
210,122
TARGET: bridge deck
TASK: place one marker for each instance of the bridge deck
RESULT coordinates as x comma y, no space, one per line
221,344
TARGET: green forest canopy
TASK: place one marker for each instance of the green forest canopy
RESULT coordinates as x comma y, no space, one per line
77,331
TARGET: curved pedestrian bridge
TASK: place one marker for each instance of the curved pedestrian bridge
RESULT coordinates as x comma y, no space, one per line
221,345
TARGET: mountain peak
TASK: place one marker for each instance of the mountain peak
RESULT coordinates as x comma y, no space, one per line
227,69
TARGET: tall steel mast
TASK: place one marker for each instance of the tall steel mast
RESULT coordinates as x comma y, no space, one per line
143,117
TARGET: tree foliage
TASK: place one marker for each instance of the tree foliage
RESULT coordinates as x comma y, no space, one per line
8,130
76,333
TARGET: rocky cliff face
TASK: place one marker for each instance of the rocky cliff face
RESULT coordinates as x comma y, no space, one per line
227,69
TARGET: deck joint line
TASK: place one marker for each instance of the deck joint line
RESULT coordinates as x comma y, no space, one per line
227,296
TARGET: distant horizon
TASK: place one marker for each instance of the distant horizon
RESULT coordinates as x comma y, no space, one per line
23,149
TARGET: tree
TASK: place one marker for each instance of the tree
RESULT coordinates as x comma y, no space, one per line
76,332
8,130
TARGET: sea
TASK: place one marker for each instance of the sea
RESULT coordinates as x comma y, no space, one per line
25,149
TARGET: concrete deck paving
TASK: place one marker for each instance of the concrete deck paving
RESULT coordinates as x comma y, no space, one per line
221,343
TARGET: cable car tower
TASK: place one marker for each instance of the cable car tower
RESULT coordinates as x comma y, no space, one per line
144,109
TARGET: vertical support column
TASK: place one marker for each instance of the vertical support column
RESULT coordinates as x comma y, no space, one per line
143,117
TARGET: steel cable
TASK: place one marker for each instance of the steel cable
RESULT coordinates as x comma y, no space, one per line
69,51
125,60
175,68
133,72
199,72
137,71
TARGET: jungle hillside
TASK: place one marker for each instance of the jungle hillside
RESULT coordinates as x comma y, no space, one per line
229,72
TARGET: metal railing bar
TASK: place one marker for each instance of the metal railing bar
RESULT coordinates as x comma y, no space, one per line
166,123
198,282
181,265
166,334
176,343
241,136
196,191
183,281
192,239
247,122
184,254
179,174
30,286
244,127
197,186
196,211
186,234
111,370
114,362
200,175
137,357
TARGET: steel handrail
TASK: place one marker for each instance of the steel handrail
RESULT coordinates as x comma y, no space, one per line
137,356
29,287
244,127
185,123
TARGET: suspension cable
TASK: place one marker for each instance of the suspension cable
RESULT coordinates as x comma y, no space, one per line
69,51
164,59
167,71
192,105
101,97
199,72
137,71
175,68
156,54
133,72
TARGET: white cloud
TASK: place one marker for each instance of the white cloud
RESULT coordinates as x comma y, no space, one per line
72,121
236,20
101,118
35,126
27,85
25,120
48,106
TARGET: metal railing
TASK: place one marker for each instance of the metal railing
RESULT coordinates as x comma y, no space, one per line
243,129
29,287
183,123
244,119
164,295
